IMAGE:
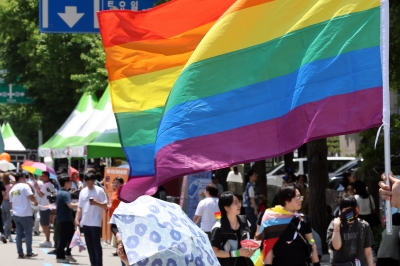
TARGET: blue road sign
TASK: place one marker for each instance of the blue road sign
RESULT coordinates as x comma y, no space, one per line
79,16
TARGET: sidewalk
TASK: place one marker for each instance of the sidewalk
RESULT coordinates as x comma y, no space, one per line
325,260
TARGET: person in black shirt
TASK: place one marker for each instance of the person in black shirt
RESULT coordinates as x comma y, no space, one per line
291,248
229,231
65,219
350,238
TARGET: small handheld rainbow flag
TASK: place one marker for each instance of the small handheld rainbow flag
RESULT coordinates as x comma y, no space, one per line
217,215
77,241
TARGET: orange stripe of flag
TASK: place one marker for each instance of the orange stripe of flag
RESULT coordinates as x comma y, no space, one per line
157,23
153,55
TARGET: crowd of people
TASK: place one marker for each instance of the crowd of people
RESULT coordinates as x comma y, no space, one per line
242,214
28,202
349,230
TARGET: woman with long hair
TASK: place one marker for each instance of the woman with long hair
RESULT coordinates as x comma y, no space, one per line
6,207
365,202
227,233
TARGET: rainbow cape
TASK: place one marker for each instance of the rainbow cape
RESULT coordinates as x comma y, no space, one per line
274,222
145,53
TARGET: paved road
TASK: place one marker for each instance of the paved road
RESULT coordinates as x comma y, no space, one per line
9,255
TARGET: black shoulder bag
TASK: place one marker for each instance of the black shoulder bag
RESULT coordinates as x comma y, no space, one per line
309,247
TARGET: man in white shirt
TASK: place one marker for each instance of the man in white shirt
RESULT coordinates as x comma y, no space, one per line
92,203
206,209
21,196
43,192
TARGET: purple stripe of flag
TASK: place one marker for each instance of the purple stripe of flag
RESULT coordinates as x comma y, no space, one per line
331,116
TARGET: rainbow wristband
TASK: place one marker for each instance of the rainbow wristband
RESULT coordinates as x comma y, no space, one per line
234,253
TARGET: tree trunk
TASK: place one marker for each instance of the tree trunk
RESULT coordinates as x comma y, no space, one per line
318,179
259,168
222,174
288,158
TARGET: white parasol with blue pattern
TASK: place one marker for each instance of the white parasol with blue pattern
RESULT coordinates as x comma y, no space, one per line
159,233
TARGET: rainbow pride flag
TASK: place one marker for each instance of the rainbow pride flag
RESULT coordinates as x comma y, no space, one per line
145,53
270,76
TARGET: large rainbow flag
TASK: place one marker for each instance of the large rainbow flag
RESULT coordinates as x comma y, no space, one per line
146,51
269,77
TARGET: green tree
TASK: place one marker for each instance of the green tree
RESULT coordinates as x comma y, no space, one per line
95,76
333,146
24,121
55,68
394,59
374,157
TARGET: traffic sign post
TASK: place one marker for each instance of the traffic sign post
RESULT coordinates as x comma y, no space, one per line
79,16
10,93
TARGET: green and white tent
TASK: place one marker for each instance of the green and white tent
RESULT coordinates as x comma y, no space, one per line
107,144
11,142
57,146
102,119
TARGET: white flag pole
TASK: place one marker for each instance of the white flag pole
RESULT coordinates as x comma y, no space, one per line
386,102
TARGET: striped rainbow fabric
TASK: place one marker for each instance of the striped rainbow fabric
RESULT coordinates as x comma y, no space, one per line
274,221
145,52
270,76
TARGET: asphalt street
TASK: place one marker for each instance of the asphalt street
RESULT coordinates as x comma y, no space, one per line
9,255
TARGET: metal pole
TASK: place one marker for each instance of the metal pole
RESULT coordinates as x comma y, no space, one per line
69,166
86,162
386,103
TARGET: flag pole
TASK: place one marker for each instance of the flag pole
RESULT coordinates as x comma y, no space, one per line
386,102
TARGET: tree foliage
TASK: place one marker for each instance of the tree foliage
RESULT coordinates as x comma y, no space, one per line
394,59
333,146
55,68
374,157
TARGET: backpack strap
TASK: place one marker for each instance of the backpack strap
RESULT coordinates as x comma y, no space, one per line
242,220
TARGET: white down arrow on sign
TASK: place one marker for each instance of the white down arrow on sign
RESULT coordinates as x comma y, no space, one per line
71,15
